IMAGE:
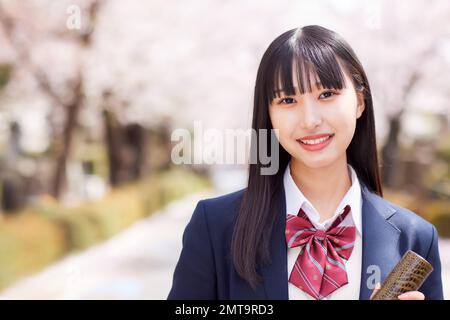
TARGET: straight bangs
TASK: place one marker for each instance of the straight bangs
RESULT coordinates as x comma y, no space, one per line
314,65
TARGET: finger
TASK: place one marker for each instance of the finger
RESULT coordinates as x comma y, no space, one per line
375,290
412,295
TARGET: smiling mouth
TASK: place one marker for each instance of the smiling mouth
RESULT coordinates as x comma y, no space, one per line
315,141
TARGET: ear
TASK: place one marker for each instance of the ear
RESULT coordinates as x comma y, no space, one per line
361,105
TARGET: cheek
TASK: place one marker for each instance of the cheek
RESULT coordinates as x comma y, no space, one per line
345,121
285,125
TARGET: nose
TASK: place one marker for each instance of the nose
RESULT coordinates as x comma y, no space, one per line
310,116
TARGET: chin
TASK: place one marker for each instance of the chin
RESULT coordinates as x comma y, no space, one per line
317,162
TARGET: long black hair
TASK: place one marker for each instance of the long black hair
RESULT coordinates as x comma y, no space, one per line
323,53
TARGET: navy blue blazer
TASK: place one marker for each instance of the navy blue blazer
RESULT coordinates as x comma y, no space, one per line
205,269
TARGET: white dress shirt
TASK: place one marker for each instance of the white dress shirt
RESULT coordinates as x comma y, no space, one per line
296,200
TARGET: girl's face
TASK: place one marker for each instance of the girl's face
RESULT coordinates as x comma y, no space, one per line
305,120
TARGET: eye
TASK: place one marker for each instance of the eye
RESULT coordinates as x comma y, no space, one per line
327,94
286,101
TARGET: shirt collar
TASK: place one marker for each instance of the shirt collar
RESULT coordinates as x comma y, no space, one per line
296,200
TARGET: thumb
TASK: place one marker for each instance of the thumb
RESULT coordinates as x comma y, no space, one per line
375,290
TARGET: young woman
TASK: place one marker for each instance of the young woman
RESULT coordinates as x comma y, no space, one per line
318,228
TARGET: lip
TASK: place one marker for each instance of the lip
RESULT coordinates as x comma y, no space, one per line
317,136
316,147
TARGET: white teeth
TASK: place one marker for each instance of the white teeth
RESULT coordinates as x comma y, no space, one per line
315,141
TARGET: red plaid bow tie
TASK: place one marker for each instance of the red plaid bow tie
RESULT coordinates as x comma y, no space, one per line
319,269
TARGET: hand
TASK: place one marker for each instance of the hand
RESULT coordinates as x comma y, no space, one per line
409,295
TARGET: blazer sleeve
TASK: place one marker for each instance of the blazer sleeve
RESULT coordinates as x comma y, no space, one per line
194,276
432,287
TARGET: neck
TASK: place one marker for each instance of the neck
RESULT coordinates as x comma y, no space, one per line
324,187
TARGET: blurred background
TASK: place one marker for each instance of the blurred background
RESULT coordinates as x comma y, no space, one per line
92,207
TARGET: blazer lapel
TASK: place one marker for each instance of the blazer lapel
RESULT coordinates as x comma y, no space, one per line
380,242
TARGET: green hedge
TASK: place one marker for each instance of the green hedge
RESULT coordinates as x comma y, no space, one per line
5,74
437,211
28,242
37,236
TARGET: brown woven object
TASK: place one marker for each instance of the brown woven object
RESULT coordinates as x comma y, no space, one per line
408,275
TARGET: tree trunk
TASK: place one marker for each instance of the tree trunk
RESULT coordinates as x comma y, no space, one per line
136,140
112,137
390,152
64,146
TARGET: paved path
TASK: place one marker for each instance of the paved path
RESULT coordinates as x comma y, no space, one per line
134,264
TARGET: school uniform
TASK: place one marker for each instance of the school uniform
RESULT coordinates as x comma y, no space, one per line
383,233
